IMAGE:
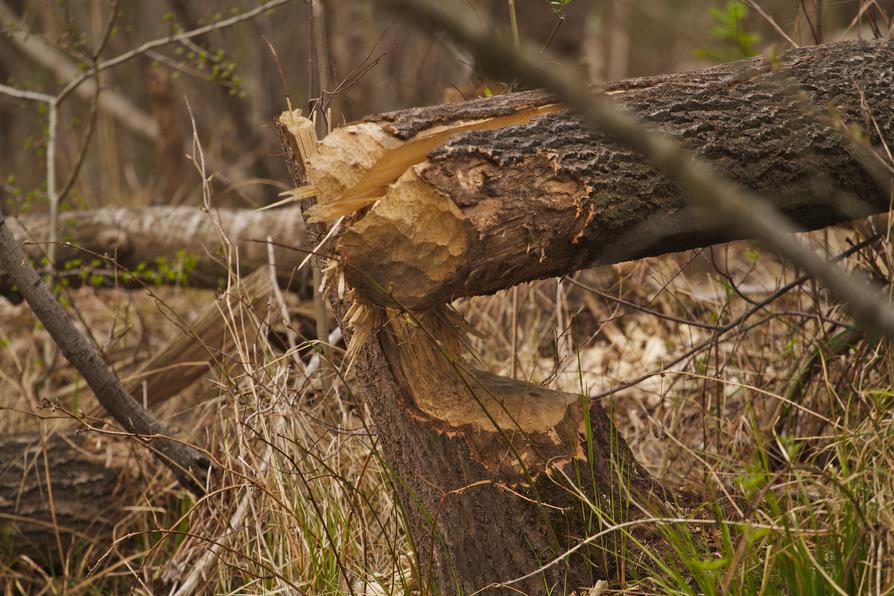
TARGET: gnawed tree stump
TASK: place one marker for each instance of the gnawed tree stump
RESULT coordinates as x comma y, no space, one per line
545,196
497,476
55,495
502,474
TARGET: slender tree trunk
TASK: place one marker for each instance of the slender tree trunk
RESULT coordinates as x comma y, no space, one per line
619,39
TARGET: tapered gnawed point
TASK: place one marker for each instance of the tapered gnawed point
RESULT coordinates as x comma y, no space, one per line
517,429
355,164
303,131
341,170
425,235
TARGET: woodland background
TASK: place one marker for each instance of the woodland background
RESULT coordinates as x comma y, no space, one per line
719,396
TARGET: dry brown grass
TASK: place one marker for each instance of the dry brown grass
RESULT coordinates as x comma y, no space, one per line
304,502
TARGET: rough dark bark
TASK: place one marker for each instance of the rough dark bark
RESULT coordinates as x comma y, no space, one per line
80,504
163,245
489,193
495,207
477,460
498,474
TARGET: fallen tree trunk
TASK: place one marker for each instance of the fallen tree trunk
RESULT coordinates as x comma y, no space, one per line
163,245
189,465
497,476
54,494
506,190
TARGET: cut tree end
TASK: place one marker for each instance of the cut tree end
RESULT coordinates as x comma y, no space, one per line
425,235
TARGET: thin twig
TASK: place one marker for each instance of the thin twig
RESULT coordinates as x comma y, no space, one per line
773,23
318,83
120,107
163,41
721,331
513,23
640,307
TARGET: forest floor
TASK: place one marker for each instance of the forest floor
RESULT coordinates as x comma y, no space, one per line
781,415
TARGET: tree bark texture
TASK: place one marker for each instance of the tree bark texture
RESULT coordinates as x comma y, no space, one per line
54,494
493,203
495,475
163,245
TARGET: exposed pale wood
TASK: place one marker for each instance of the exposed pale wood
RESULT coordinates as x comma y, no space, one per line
479,462
477,458
356,164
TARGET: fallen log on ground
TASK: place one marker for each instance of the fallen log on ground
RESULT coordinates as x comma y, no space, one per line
189,465
498,476
85,495
163,245
491,193
54,494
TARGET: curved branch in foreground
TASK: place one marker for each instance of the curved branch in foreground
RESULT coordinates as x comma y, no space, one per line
491,208
189,466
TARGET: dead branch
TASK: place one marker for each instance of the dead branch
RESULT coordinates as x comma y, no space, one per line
188,465
204,343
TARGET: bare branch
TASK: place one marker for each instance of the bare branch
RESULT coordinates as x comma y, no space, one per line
189,466
25,94
163,41
120,107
